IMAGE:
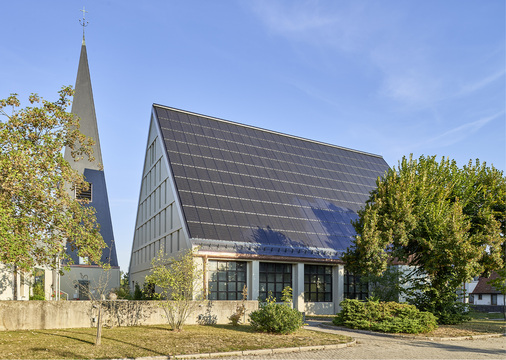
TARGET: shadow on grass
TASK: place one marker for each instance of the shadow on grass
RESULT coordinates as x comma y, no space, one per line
104,337
134,345
58,354
71,337
240,328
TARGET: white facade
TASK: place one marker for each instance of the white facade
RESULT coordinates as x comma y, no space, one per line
24,284
90,282
488,299
158,223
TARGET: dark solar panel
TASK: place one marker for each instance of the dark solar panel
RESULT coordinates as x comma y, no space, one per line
238,183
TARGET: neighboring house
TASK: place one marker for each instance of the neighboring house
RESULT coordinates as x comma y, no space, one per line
266,210
24,283
82,277
485,294
465,293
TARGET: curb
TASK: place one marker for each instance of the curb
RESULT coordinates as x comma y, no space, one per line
250,352
411,337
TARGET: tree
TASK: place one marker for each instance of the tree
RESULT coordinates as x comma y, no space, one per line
38,215
446,222
178,279
123,292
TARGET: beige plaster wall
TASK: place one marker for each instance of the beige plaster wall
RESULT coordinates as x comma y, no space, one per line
30,315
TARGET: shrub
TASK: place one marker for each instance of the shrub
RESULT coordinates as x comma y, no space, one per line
448,310
240,310
38,292
178,281
452,314
276,318
389,317
137,292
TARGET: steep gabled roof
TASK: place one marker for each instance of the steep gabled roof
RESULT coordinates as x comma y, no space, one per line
260,191
483,286
83,106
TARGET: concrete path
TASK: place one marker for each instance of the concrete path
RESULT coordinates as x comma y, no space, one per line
377,346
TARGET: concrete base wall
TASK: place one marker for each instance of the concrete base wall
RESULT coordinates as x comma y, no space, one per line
488,308
32,315
320,308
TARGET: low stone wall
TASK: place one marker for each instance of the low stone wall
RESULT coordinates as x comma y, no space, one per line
32,315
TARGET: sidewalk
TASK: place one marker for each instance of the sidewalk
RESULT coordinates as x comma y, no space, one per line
384,346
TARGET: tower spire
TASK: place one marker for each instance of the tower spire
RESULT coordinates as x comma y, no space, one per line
83,22
83,107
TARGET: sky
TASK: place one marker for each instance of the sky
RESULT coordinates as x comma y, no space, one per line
390,77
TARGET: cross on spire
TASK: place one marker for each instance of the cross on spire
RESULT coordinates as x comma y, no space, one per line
83,22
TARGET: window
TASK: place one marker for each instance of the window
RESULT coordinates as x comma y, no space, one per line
226,279
479,297
354,288
471,299
494,299
317,283
273,279
83,192
84,290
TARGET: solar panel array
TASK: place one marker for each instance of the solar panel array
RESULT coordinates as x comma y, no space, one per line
244,184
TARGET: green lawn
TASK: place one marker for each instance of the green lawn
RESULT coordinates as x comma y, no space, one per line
140,341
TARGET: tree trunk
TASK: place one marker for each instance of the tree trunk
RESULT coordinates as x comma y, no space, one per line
15,283
98,340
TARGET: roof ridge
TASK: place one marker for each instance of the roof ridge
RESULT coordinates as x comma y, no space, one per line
268,131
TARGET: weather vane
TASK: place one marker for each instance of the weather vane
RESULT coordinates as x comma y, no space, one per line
83,22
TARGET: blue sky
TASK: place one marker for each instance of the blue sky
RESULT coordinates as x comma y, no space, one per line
386,77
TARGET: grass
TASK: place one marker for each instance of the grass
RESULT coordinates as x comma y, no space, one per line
140,341
481,323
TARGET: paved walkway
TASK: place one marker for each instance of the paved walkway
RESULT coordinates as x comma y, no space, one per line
377,346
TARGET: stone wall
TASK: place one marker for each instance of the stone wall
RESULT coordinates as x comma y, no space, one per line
32,315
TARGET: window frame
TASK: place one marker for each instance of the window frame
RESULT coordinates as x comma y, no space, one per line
269,271
224,271
352,281
316,293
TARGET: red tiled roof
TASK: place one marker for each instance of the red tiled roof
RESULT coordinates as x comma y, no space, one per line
483,287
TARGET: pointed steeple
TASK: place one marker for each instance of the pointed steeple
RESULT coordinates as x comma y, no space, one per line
83,106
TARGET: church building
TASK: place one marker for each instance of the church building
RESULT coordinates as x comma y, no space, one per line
84,279
265,210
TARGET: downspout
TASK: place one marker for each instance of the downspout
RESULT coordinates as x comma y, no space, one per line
204,276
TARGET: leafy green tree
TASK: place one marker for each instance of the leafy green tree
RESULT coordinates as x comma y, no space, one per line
446,222
385,287
123,292
178,279
38,215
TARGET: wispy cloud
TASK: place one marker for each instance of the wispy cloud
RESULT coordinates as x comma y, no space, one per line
411,67
458,133
481,83
318,23
364,31
299,17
